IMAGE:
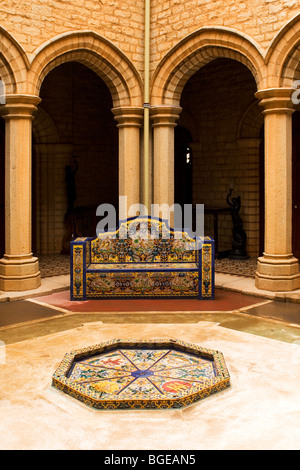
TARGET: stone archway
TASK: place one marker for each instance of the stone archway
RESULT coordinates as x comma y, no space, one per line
123,82
218,95
74,126
98,54
278,268
13,74
14,64
284,60
195,51
19,269
183,62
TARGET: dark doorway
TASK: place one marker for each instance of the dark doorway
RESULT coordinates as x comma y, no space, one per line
33,197
262,192
75,156
2,187
183,167
296,185
214,103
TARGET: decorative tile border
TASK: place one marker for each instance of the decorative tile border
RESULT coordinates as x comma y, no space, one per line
111,399
99,264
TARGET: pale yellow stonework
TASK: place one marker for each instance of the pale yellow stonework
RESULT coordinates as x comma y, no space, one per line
259,38
19,270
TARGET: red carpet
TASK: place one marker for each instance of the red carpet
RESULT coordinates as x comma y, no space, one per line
224,301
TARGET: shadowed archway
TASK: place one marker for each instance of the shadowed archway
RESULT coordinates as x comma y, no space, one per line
74,129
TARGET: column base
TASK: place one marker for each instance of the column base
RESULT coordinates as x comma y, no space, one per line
19,273
277,273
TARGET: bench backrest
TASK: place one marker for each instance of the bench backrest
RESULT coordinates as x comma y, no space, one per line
143,239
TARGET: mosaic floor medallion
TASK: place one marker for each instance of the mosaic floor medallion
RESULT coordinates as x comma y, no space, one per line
131,374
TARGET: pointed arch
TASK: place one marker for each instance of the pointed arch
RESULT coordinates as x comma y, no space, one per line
251,122
196,50
283,55
97,53
44,128
14,63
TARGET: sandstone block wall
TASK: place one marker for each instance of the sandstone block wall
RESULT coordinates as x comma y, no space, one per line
219,110
34,22
173,20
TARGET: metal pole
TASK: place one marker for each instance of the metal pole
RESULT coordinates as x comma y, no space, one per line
146,179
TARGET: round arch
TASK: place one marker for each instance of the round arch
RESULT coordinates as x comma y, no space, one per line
97,53
195,51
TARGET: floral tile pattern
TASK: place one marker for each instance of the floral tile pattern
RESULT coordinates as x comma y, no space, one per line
147,374
154,261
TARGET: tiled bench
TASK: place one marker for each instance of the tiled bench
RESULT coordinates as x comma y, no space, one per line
151,261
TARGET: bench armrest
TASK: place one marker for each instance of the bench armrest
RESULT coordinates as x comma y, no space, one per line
207,268
198,251
80,255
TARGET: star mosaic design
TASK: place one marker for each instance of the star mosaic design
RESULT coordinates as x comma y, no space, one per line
155,374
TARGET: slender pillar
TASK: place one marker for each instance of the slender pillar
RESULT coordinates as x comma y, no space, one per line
129,123
278,269
164,120
146,155
19,269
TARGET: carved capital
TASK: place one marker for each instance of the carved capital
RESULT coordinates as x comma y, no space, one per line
129,116
19,106
165,115
276,100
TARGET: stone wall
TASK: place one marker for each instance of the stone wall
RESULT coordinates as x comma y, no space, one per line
34,22
122,22
173,20
218,104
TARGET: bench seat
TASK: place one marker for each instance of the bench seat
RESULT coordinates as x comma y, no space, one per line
120,267
167,265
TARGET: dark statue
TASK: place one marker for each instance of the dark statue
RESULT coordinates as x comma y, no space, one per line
238,233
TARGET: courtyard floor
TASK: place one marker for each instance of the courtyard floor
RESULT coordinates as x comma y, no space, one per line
257,332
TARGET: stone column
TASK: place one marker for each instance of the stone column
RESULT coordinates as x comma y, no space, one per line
278,269
164,120
129,123
19,269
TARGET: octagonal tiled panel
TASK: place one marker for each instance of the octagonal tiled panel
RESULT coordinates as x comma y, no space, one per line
130,374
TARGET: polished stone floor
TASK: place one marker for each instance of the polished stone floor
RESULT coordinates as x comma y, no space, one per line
259,336
34,317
